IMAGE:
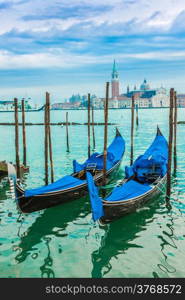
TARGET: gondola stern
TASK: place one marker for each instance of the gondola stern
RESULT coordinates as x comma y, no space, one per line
159,131
118,132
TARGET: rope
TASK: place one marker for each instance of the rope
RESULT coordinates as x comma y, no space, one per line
161,189
112,185
108,186
163,192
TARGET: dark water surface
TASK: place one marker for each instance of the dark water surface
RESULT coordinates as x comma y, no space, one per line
63,241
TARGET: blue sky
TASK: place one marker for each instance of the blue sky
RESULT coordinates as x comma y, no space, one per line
68,46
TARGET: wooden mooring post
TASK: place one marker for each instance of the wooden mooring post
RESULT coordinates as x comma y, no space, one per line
106,106
67,133
89,141
175,134
93,133
132,131
137,115
23,132
46,138
170,145
17,137
50,142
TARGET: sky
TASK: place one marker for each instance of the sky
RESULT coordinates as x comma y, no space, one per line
68,46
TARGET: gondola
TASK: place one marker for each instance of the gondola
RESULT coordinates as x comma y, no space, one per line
70,187
143,181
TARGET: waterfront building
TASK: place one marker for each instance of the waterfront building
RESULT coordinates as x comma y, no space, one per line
75,98
145,96
181,100
98,103
6,105
124,101
65,105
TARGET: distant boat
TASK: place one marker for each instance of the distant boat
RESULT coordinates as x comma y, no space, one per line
72,186
26,110
143,180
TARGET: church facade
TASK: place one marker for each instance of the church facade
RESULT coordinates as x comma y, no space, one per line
145,97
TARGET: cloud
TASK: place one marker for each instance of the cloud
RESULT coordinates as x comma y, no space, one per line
179,23
57,58
80,34
117,16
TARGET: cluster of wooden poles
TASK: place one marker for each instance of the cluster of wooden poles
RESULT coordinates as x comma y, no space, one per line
48,144
48,141
47,134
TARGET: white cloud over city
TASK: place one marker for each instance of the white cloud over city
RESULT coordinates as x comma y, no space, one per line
78,34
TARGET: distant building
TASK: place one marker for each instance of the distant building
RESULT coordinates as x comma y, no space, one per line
6,105
181,100
65,105
144,96
115,82
75,98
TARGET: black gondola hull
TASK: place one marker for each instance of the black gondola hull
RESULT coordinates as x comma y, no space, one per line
39,202
117,210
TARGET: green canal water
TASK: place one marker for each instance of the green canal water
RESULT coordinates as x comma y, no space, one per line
63,241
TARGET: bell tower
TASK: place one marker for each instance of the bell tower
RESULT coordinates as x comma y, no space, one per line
115,81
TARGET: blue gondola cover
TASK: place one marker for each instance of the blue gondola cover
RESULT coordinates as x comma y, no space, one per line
155,159
115,153
113,156
128,190
61,184
96,201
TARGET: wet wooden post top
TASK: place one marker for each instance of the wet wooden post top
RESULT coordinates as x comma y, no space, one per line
67,133
132,131
23,132
50,141
175,134
46,138
89,104
170,144
106,106
17,137
93,133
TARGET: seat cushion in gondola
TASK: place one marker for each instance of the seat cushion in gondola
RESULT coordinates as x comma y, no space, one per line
115,152
153,163
95,159
128,190
65,182
148,174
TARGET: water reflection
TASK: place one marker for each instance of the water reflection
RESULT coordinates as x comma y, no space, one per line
52,222
168,239
120,236
4,188
46,270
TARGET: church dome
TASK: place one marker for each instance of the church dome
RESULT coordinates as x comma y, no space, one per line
144,86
